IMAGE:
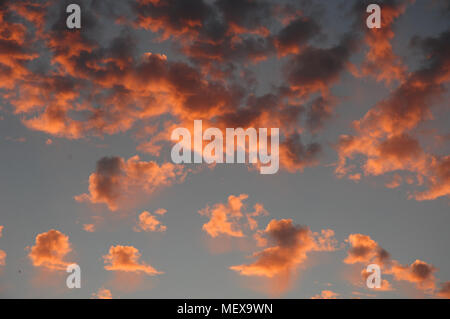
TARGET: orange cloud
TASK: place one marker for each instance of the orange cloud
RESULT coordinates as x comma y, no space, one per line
326,294
290,245
116,180
364,249
444,292
1,230
148,222
380,61
439,180
419,273
384,137
102,293
2,258
50,250
90,228
225,219
126,259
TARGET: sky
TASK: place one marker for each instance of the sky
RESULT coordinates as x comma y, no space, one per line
87,177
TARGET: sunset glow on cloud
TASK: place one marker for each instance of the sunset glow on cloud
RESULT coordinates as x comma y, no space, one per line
126,259
290,245
50,250
355,119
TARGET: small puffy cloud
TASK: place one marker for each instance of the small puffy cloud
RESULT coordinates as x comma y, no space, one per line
444,291
126,259
290,246
160,211
2,258
102,293
326,294
419,273
364,249
226,219
1,230
149,223
90,228
116,180
50,250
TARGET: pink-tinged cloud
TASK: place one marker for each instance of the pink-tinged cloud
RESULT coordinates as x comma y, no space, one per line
90,228
364,249
439,180
419,273
2,258
380,61
326,294
384,136
115,180
444,290
126,259
50,250
149,223
1,230
102,293
228,219
290,245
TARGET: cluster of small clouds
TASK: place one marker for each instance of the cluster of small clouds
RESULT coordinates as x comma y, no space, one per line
284,248
149,223
421,274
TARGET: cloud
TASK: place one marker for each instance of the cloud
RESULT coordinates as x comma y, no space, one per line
2,258
294,36
90,228
290,245
444,291
149,223
439,180
2,252
295,156
384,135
102,293
126,259
364,249
116,180
50,250
227,219
172,17
419,273
326,294
315,69
380,60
